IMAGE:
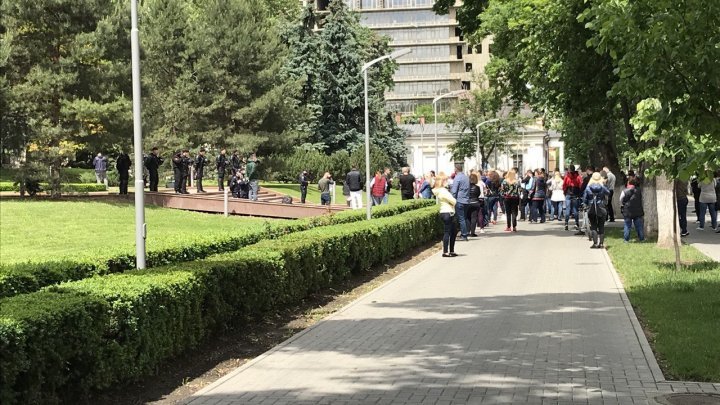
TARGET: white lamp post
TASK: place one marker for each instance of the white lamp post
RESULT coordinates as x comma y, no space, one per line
140,227
477,145
435,100
364,70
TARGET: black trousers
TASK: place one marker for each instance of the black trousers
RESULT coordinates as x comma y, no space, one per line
449,232
180,180
522,204
221,183
124,180
474,214
511,211
303,194
198,180
610,209
154,180
597,220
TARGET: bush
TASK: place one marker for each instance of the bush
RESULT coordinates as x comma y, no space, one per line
31,276
65,188
120,327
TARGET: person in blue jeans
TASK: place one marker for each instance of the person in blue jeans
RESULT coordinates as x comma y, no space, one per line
632,208
571,188
460,190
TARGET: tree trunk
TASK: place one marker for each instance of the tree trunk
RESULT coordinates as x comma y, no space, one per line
667,235
650,206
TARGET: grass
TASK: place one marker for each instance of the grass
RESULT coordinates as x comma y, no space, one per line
43,230
679,310
313,195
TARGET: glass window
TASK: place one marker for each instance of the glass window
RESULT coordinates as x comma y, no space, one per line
422,88
407,3
404,17
417,34
370,4
424,70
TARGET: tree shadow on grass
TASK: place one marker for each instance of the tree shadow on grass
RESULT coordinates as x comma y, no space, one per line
695,267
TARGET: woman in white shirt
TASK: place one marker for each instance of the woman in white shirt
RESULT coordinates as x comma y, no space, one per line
707,203
447,214
558,196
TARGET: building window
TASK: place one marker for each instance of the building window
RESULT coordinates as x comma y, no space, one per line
400,17
465,85
470,50
422,70
459,51
365,4
517,161
478,49
490,49
468,67
323,5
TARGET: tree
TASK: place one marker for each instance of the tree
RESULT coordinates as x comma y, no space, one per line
482,105
63,86
328,65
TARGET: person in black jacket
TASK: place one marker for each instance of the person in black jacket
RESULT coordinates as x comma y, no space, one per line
200,162
354,182
407,184
303,179
235,162
152,163
181,171
123,164
221,163
632,209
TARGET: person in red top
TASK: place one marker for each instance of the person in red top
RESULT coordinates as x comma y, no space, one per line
572,185
377,188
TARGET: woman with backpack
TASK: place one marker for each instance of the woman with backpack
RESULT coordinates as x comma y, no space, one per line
511,190
632,209
537,211
594,199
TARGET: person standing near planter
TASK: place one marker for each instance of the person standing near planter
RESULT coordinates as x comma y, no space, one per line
324,187
235,162
460,190
200,162
221,166
354,181
252,174
681,197
708,198
377,188
100,163
447,212
407,184
122,164
303,179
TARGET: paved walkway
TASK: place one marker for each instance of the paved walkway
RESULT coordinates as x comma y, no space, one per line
533,317
706,241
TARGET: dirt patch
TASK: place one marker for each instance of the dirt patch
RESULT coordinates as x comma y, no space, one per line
178,379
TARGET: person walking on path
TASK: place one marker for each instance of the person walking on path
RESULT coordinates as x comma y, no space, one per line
492,196
528,182
221,163
537,212
475,208
200,162
122,164
303,179
460,190
377,188
354,182
610,185
681,197
407,184
324,187
571,187
251,172
594,199
557,196
100,163
511,191
708,198
447,212
632,209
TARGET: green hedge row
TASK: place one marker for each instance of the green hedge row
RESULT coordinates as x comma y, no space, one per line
69,339
65,188
19,278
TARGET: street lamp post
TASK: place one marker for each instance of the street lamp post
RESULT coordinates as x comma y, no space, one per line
394,55
140,226
477,145
435,100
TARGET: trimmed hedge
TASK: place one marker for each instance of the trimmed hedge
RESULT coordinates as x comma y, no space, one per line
89,334
65,188
19,278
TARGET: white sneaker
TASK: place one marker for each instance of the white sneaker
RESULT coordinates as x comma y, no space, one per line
482,231
700,229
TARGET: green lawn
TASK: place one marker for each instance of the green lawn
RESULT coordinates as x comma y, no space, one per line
45,230
313,195
680,310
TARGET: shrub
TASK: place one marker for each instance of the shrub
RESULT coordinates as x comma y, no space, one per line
120,327
30,276
65,188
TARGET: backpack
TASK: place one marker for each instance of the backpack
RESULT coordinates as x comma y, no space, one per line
597,204
287,200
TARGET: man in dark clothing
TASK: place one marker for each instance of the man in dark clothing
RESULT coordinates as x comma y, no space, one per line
123,164
181,171
221,163
303,179
682,204
407,184
200,162
235,162
354,182
152,163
